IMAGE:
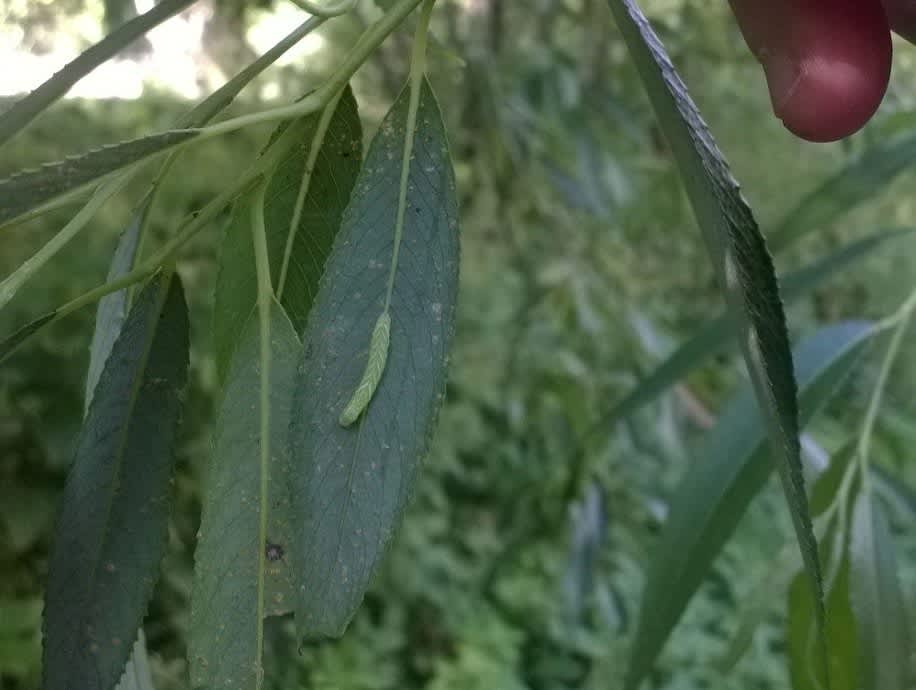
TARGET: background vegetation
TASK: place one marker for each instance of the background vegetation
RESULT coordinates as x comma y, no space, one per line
581,268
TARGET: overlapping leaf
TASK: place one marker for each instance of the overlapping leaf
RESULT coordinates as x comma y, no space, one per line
350,485
110,534
329,191
224,607
733,466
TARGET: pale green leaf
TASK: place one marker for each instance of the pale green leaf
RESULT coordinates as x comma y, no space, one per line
224,627
111,531
350,485
801,640
877,600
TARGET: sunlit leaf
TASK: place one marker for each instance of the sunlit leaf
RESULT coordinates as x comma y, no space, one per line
329,191
732,467
877,600
224,623
350,485
110,534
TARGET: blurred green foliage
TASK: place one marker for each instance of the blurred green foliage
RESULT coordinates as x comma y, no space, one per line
581,268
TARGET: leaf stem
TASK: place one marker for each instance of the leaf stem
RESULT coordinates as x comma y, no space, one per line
417,71
317,142
367,43
265,295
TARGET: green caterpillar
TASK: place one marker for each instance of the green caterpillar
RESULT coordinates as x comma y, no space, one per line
375,367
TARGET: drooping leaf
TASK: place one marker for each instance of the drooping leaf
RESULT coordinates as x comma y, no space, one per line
350,485
110,534
733,465
801,640
223,648
863,179
877,600
742,262
109,318
24,111
824,488
26,190
329,191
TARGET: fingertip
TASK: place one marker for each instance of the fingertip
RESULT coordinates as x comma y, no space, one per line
827,62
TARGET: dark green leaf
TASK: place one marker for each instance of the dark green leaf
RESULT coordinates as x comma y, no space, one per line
742,261
26,190
25,110
350,485
224,622
733,465
111,531
329,191
877,600
863,179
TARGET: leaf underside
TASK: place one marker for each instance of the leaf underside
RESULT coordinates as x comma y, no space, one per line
110,534
350,485
224,625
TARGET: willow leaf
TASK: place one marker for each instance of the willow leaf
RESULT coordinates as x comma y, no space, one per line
110,534
350,485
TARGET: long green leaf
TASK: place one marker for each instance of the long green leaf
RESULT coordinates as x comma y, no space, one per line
26,190
877,600
743,265
863,179
109,318
733,465
329,192
224,625
350,485
25,110
110,534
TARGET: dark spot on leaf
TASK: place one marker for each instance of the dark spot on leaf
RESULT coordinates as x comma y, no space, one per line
274,552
